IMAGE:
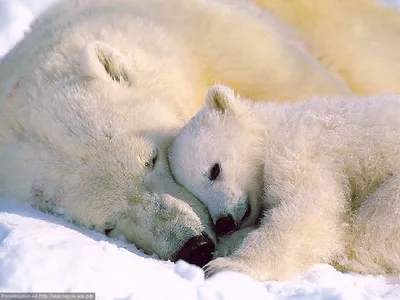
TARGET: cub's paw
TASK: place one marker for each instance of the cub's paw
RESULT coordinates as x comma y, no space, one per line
224,251
227,264
227,245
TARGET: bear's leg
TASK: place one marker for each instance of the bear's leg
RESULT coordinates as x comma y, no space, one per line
374,245
230,243
302,229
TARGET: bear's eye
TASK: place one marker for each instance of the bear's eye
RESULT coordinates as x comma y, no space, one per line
152,162
214,172
108,231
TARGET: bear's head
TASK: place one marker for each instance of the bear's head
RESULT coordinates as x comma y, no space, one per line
99,143
217,157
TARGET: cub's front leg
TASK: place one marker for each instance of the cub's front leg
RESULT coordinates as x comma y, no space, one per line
230,243
302,229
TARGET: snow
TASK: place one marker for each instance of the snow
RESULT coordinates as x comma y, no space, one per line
43,253
395,3
15,17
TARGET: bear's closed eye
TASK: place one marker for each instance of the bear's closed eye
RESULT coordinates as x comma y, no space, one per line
214,172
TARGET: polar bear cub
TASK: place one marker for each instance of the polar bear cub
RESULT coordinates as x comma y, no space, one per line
311,182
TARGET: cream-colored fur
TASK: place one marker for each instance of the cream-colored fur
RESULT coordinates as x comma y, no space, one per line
321,177
92,96
357,40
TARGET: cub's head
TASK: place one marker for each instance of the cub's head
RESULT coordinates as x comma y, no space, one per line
218,157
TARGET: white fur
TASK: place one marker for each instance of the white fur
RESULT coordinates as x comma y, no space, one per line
98,87
356,40
322,177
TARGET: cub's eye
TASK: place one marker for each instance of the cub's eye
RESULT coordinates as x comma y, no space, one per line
214,172
152,162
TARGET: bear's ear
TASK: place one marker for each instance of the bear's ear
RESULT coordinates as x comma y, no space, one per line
102,61
220,98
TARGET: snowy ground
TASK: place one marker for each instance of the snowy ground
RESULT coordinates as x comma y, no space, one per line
43,253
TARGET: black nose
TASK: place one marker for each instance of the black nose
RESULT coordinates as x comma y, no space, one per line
198,250
225,225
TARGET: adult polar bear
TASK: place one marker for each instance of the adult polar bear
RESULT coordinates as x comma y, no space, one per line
357,40
91,97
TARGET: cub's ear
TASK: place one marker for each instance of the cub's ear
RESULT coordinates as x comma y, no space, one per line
221,98
102,61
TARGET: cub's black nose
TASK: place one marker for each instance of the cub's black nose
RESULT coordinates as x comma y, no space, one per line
225,225
197,251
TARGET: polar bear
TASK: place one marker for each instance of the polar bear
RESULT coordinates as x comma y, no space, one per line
357,40
311,182
91,98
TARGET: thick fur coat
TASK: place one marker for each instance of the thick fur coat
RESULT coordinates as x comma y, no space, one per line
319,180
